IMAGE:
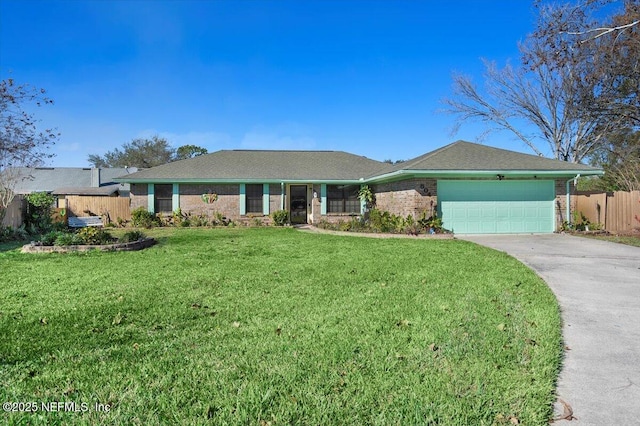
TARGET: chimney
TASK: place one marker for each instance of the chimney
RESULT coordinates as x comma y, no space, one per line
95,177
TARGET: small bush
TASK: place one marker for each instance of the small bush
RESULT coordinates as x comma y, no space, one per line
431,224
385,222
67,239
142,218
325,224
411,227
131,236
50,238
9,233
38,215
94,236
199,220
280,217
220,220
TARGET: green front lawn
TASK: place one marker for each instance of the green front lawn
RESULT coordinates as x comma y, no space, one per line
276,326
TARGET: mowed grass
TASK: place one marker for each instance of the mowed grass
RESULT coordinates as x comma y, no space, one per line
276,326
630,240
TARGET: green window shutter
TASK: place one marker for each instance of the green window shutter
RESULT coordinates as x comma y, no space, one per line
265,199
175,198
243,199
323,199
150,198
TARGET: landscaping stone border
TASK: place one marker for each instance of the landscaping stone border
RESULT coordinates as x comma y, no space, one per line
131,246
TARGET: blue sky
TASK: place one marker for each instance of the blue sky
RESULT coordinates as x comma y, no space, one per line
361,76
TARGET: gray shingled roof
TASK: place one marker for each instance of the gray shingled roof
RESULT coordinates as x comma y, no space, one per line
36,179
231,165
467,156
105,190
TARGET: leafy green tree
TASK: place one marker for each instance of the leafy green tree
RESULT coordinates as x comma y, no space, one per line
189,151
145,153
142,153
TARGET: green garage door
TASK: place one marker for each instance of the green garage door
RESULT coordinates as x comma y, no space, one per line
497,207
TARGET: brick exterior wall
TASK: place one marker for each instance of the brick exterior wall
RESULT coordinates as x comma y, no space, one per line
227,204
275,198
407,197
561,201
138,195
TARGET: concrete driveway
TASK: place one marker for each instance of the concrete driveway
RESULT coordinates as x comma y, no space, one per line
597,284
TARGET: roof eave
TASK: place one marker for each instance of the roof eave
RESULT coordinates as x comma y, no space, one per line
402,174
239,180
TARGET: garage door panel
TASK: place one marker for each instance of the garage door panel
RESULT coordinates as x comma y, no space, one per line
478,207
503,227
516,212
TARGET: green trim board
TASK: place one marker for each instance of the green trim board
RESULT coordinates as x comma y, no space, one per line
198,181
151,197
498,206
243,199
265,199
175,197
323,199
522,174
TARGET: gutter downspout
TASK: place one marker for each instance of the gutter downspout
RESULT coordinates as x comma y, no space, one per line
575,182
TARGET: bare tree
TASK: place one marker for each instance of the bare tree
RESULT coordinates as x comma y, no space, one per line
21,142
561,98
620,159
606,53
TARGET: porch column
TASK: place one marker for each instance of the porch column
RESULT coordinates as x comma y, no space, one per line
363,203
323,199
175,197
243,199
265,199
150,197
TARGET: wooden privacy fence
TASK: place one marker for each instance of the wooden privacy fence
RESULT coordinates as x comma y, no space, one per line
115,207
617,211
13,214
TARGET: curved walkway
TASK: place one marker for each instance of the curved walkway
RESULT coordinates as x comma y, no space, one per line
597,284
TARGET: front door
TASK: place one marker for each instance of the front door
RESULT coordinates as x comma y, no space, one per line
298,203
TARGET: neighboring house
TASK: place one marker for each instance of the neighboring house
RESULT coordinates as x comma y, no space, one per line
63,181
80,191
473,188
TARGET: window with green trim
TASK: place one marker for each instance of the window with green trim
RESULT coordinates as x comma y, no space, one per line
253,198
343,199
163,198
